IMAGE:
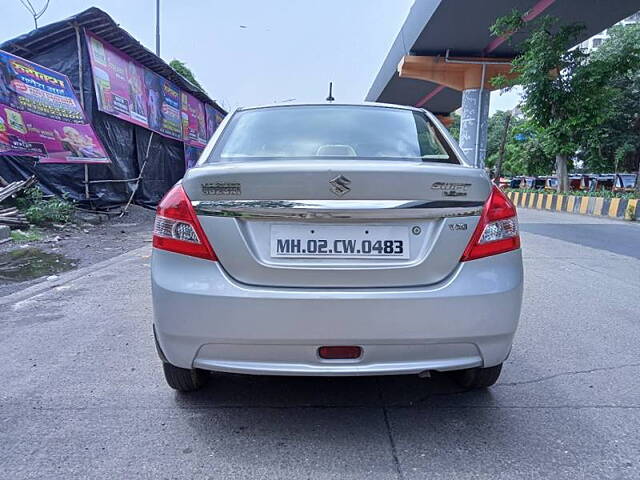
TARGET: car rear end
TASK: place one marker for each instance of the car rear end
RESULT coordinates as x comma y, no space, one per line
335,240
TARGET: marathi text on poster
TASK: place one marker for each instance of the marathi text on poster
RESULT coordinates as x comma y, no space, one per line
40,115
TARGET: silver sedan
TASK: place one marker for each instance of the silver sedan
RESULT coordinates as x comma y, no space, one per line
335,240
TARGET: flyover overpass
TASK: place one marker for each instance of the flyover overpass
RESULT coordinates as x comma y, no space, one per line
444,55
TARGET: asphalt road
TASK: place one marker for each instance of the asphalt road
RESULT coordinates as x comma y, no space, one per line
82,394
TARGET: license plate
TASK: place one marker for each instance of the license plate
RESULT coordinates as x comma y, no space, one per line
339,241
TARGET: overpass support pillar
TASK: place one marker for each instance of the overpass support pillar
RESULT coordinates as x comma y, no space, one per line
470,75
474,122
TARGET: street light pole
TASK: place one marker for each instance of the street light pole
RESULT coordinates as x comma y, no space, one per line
158,27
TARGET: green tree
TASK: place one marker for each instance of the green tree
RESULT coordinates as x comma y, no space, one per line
454,128
564,95
183,70
523,150
617,145
525,153
495,133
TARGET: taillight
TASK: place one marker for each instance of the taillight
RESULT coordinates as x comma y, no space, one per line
177,228
497,230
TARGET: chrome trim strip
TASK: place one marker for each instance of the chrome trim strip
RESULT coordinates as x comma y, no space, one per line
333,209
379,368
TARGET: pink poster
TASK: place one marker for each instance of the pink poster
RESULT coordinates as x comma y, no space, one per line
194,126
214,118
40,115
133,93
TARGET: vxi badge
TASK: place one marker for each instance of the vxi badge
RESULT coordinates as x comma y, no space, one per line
340,185
450,189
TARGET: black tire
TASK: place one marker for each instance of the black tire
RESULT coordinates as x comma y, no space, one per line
473,378
183,379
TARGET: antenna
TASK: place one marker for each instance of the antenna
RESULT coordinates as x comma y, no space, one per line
330,97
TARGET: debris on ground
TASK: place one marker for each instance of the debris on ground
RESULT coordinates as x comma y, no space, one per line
42,235
11,216
5,233
80,242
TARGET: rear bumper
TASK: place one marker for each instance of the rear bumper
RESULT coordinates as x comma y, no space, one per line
205,319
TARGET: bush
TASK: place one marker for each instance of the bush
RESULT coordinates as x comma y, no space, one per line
31,235
41,211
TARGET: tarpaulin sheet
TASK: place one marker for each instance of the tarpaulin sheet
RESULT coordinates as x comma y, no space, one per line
124,142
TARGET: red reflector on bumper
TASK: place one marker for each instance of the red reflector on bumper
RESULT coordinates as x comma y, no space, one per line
342,352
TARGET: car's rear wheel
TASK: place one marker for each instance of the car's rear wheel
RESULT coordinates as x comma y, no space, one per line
184,379
473,378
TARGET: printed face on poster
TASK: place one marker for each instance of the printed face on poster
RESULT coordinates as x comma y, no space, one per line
40,115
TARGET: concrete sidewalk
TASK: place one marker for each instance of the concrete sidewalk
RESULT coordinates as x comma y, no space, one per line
83,394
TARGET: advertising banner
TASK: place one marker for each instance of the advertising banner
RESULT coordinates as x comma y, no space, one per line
194,126
191,155
41,117
214,118
127,90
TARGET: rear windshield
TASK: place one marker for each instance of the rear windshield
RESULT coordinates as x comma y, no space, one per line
329,131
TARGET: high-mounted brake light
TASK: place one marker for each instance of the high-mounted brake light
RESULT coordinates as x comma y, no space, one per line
177,229
497,229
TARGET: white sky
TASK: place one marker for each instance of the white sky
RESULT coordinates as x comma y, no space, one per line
247,52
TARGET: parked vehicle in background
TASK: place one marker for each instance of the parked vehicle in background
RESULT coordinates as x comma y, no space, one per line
551,184
532,182
503,182
575,182
625,182
620,182
585,181
602,182
515,182
335,240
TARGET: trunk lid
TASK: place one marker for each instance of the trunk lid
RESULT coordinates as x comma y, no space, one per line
249,210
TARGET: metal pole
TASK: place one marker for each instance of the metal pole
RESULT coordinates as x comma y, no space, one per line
479,116
503,141
81,91
135,187
80,77
158,27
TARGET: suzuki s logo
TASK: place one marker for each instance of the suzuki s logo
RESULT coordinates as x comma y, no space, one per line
340,185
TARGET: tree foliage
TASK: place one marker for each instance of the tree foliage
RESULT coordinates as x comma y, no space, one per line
454,127
524,153
185,71
616,147
569,95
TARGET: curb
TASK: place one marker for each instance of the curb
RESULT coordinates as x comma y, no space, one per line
618,208
64,278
